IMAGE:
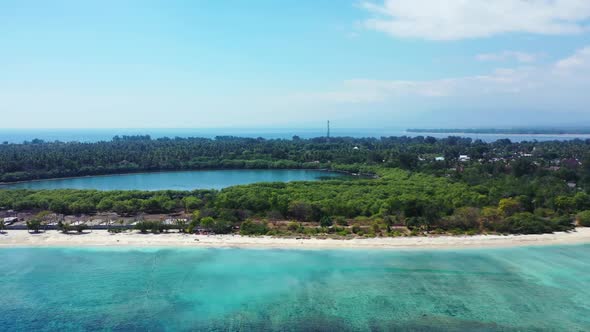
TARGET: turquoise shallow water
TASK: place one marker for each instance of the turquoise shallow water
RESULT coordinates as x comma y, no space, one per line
518,289
186,180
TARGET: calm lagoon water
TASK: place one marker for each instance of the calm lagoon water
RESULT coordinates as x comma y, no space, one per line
518,289
187,180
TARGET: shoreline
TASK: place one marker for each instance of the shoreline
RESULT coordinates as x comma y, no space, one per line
101,238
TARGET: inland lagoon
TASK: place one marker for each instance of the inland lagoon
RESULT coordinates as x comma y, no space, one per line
183,180
122,289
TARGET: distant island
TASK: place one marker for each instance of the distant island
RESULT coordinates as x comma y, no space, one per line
509,131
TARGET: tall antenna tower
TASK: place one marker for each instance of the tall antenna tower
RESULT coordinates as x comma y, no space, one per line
328,134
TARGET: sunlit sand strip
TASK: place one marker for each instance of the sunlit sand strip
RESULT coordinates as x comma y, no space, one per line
101,238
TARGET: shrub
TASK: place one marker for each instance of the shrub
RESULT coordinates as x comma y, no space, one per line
274,215
356,229
341,221
80,228
563,223
544,212
293,226
583,218
301,211
417,223
222,226
208,223
64,228
396,233
191,203
509,206
526,223
376,227
335,229
249,227
344,232
490,217
153,226
310,231
34,225
326,221
141,226
456,231
362,219
466,218
273,232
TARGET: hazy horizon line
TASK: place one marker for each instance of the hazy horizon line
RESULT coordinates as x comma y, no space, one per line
332,127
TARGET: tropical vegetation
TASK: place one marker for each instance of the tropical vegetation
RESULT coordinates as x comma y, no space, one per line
423,184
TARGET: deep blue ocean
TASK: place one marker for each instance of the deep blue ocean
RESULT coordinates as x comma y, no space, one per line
94,135
74,289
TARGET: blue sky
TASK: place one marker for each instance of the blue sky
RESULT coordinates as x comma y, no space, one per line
260,63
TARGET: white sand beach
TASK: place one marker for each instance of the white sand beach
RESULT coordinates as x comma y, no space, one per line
101,238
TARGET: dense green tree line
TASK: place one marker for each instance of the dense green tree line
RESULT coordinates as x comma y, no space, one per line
505,187
68,201
396,198
37,159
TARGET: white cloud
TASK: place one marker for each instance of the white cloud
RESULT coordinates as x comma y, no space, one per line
460,19
367,90
508,55
580,60
564,77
